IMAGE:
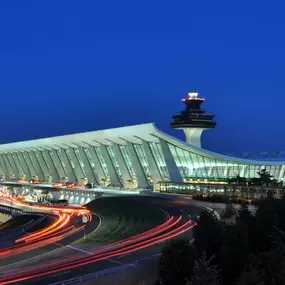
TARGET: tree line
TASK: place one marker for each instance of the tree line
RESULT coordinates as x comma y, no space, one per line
264,179
240,249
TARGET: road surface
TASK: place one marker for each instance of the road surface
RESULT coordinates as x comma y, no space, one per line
180,211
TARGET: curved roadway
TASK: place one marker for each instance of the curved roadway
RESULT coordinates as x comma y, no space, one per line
179,223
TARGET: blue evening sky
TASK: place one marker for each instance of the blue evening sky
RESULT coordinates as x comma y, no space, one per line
73,66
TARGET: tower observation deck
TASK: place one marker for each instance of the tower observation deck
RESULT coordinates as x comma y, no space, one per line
193,120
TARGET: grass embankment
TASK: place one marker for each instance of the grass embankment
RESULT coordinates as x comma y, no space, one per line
123,218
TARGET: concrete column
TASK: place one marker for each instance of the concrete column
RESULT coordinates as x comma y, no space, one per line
78,168
141,178
58,165
115,180
25,167
13,165
52,167
172,168
40,173
29,163
122,164
41,160
91,175
98,167
154,171
69,169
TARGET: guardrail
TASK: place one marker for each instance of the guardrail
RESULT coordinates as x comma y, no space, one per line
107,272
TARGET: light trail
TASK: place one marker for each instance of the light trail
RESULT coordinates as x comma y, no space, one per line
157,235
50,234
118,244
85,261
61,228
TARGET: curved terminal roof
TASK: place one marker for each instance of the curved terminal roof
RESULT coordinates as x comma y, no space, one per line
136,134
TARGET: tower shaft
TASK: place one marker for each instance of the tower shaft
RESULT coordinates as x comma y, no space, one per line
193,135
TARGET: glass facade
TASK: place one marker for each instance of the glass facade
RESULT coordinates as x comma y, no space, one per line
159,160
194,166
59,154
128,161
80,162
101,160
142,162
114,161
89,157
67,151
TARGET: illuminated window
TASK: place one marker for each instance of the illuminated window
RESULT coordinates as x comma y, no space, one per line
114,161
159,160
102,162
127,160
142,160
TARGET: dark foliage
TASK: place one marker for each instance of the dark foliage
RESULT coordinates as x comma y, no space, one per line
205,272
229,212
176,262
250,251
208,234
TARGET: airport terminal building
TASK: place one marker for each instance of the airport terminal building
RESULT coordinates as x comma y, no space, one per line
138,156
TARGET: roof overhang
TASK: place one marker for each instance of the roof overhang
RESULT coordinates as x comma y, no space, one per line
134,134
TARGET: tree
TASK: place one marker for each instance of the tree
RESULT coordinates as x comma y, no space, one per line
251,276
270,194
204,272
244,215
229,212
283,196
270,213
274,260
265,177
176,262
208,233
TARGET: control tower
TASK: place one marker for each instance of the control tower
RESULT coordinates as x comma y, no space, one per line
193,120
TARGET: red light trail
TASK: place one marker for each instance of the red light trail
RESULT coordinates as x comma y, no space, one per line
173,227
58,230
166,231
